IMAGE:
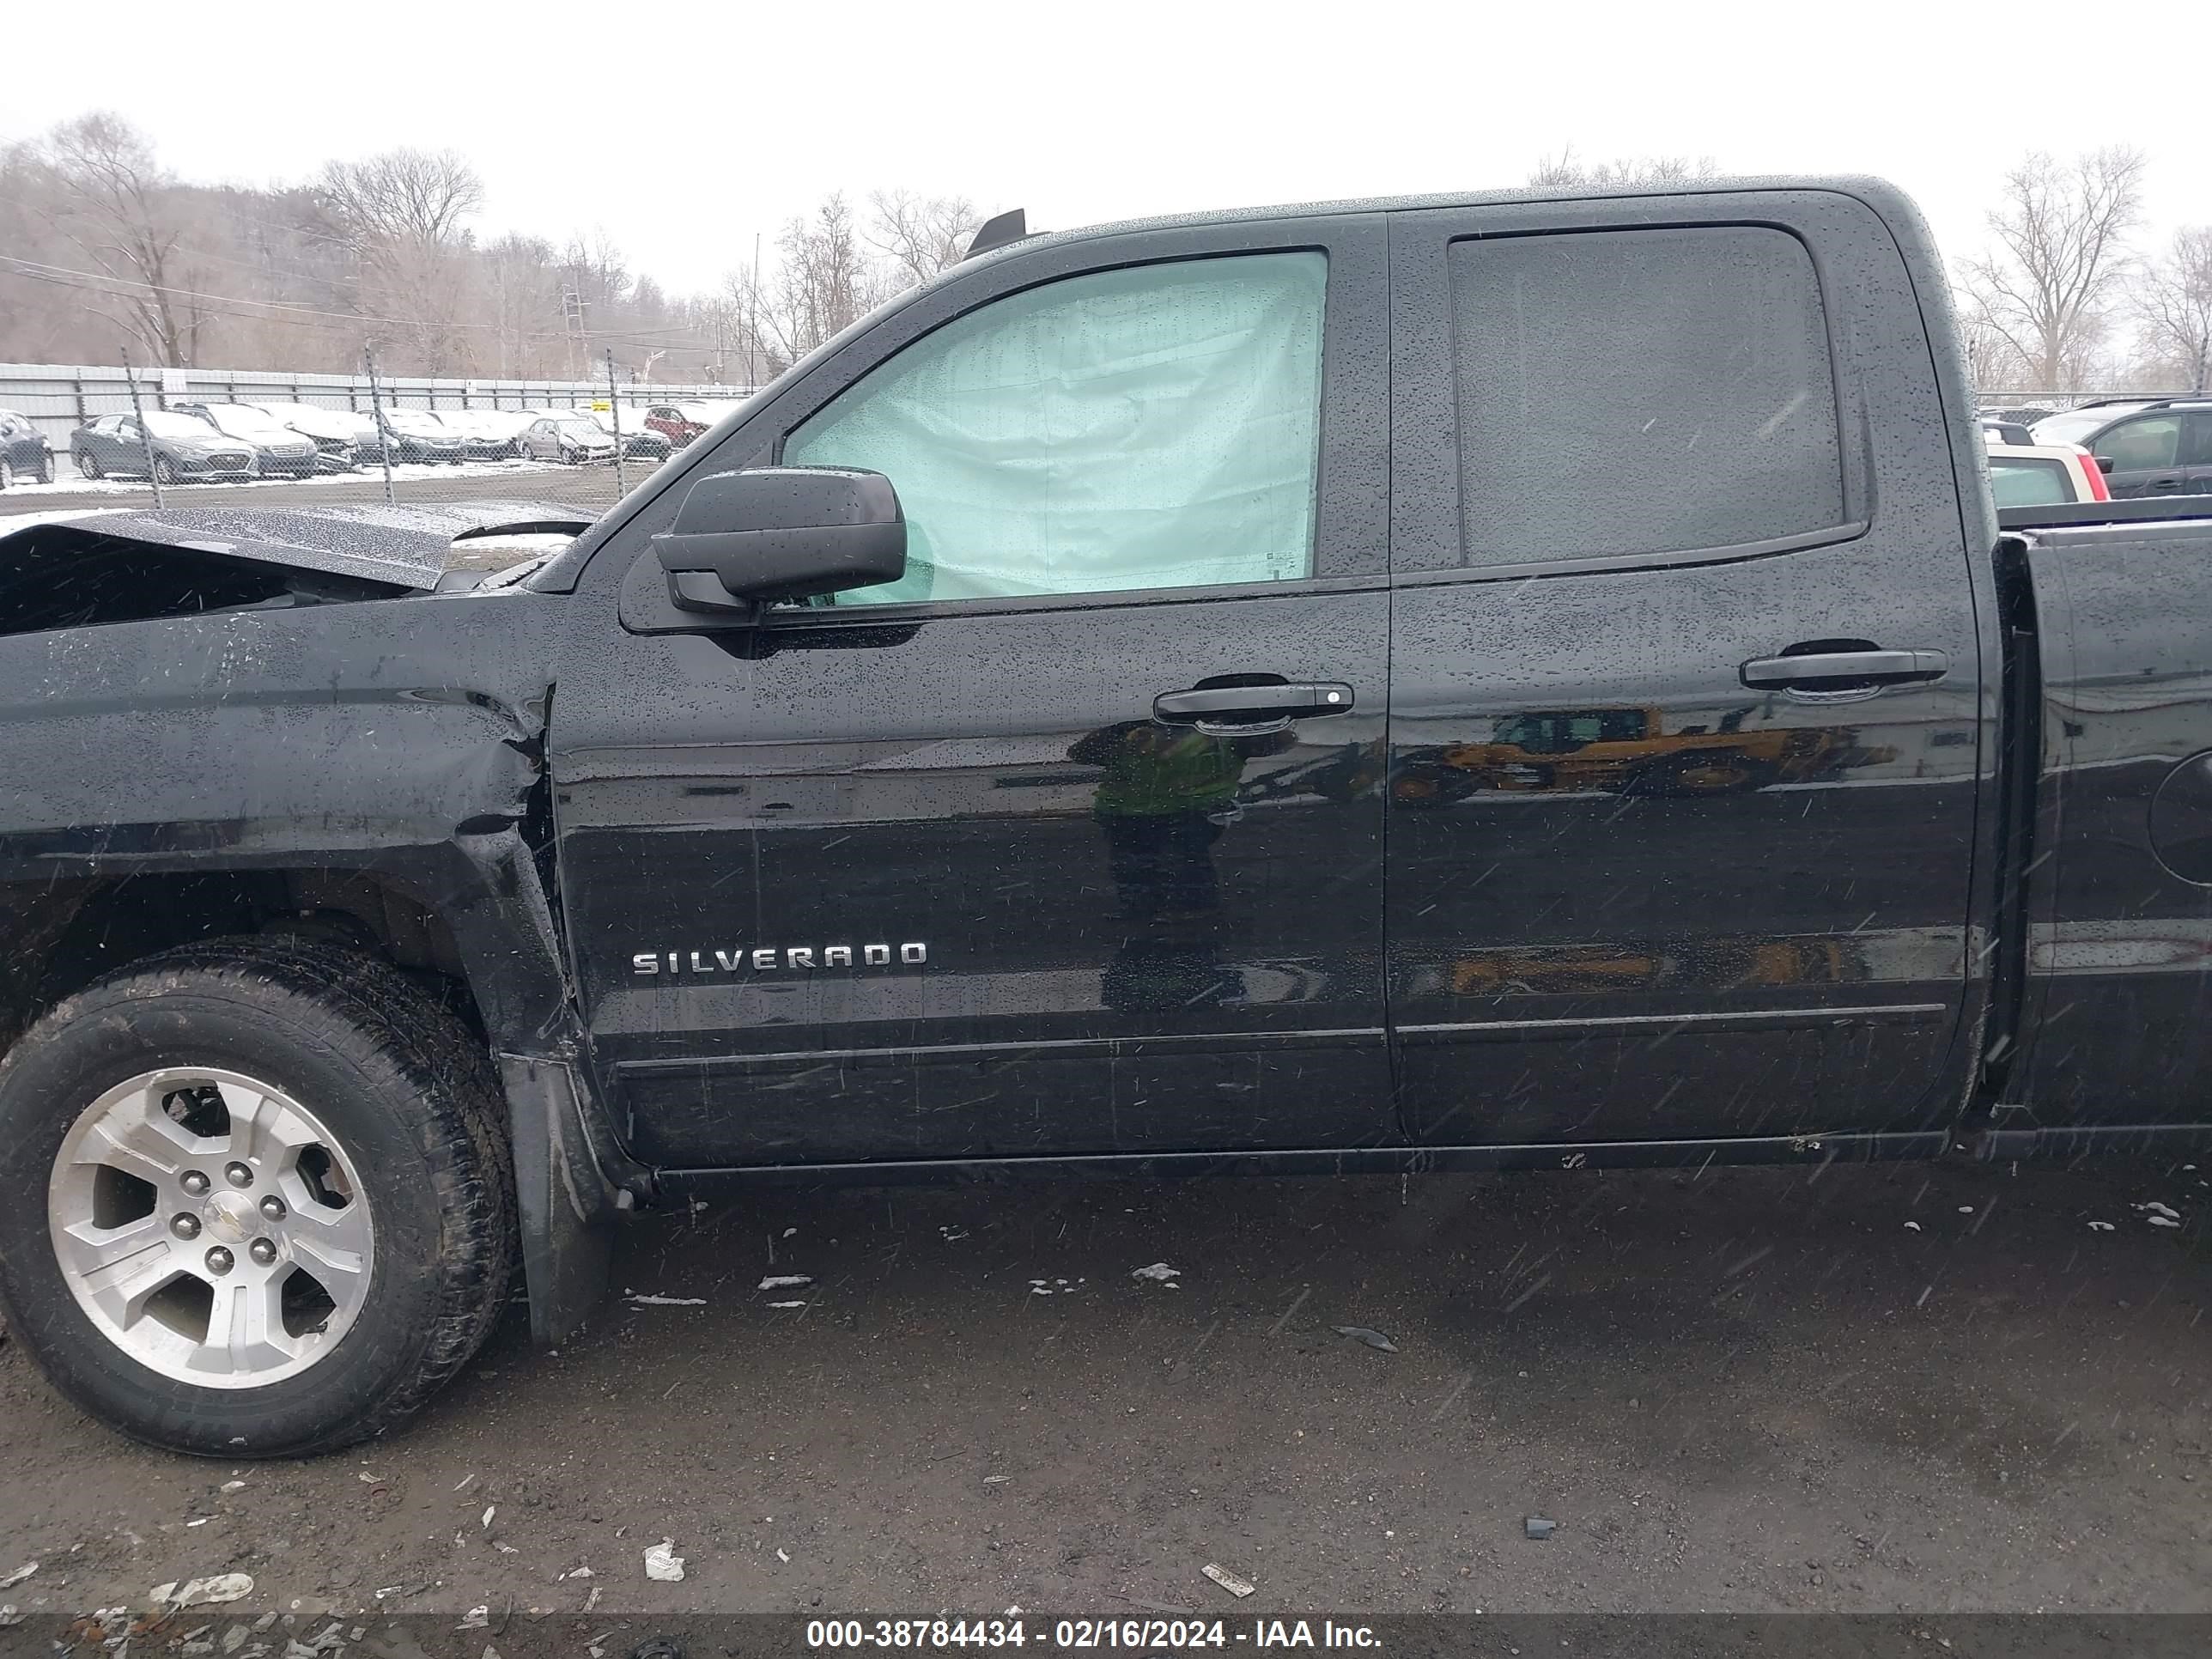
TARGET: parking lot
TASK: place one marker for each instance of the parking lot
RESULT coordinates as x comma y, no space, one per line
592,488
1947,1388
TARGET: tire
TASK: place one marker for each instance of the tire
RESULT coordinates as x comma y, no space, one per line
46,472
387,1126
165,470
87,465
7,472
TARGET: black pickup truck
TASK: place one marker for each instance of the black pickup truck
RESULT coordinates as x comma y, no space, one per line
1510,680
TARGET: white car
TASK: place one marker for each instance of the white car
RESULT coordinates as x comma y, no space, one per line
340,436
278,451
487,434
2043,475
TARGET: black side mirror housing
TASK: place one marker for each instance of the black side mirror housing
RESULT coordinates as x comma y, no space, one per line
2105,464
782,532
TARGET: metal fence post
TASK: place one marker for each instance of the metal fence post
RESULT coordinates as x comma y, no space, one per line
614,414
145,438
383,431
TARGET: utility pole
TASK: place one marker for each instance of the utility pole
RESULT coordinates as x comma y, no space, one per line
614,415
145,438
383,430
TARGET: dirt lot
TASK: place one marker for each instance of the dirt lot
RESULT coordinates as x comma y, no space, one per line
1744,1390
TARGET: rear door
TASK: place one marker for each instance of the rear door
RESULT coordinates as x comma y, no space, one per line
952,868
1684,677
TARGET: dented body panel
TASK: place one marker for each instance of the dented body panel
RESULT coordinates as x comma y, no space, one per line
917,889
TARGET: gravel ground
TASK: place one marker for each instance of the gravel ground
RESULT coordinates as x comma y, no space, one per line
1901,1389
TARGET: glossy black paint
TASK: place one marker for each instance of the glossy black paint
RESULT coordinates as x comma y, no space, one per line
1137,935
1140,940
2119,938
1630,893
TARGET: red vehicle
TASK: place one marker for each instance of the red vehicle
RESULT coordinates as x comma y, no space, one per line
681,422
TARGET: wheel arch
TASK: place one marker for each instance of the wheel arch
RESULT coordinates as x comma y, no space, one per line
473,919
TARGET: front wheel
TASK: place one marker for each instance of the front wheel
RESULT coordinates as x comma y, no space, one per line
88,466
165,470
7,473
254,1197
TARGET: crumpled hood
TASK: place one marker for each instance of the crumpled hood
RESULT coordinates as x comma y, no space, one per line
408,547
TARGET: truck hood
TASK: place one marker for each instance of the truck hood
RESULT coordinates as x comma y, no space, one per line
401,547
129,567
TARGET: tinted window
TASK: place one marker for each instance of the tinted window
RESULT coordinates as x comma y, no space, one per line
2196,440
2029,483
1641,392
1155,427
2140,445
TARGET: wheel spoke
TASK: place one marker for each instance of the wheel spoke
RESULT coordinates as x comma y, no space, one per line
246,1326
138,1137
118,1267
263,1128
332,1246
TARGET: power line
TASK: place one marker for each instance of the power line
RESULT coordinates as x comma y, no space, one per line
303,316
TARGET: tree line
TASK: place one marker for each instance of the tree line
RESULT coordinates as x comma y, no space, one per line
105,250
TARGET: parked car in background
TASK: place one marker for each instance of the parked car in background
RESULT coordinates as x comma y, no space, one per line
638,441
184,448
337,433
487,434
2042,475
26,456
417,435
278,452
573,437
681,422
2156,445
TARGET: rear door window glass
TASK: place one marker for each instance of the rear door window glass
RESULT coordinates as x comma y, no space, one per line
1624,392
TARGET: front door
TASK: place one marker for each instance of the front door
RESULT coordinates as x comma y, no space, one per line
1026,854
1685,678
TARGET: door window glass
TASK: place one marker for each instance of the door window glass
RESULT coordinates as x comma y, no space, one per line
1156,427
2142,446
1641,392
2196,440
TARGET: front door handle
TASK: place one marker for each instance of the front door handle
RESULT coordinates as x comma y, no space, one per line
1826,671
1209,706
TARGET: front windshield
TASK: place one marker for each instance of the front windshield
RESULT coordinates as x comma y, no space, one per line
578,428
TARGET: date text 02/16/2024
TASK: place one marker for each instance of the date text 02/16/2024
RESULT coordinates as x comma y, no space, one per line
1077,1634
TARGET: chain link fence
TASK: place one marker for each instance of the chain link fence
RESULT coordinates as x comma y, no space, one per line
85,436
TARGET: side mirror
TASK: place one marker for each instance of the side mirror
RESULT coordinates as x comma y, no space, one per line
782,532
2104,464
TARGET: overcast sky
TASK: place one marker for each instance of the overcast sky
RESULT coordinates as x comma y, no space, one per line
725,121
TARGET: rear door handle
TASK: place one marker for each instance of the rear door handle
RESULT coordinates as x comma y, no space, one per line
1210,706
1823,671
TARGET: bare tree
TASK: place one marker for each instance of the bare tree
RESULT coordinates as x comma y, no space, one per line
1563,171
118,207
401,215
2060,254
921,235
823,281
402,195
2173,302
